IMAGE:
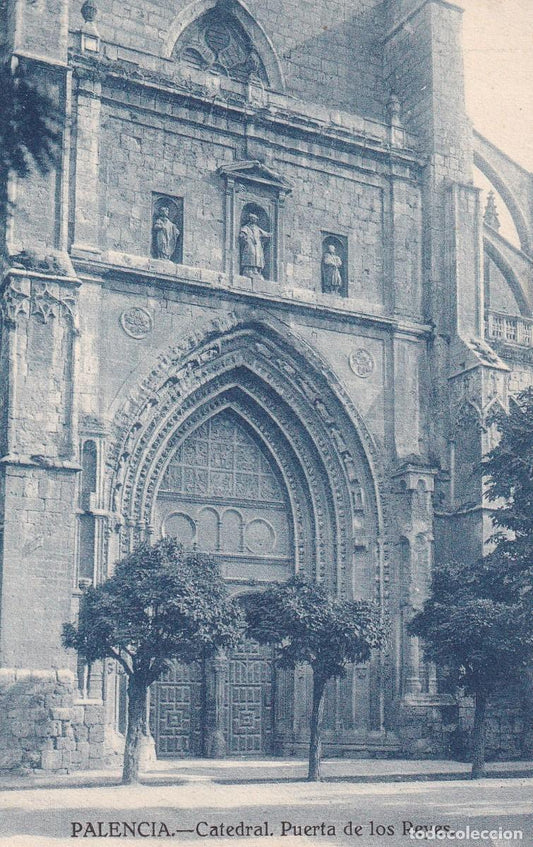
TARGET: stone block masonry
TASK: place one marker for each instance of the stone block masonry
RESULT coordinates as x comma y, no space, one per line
343,120
43,726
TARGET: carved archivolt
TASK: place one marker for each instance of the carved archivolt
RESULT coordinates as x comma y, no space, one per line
284,392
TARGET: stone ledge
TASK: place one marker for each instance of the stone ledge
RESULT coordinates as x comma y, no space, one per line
429,700
161,273
41,462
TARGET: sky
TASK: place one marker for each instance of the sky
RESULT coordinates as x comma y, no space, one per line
498,51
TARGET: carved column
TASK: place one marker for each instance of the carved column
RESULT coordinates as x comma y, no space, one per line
15,302
229,224
278,258
413,683
415,513
216,683
39,460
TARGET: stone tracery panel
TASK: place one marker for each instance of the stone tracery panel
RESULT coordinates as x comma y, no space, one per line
222,460
217,42
222,478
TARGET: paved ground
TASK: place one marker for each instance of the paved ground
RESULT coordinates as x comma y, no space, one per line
201,796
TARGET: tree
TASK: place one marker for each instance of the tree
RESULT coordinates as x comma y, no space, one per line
28,128
482,637
307,625
160,604
478,620
509,471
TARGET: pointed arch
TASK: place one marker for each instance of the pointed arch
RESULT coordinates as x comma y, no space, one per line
238,10
293,406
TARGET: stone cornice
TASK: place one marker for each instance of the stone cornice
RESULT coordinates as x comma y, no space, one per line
41,276
42,462
280,113
41,59
210,282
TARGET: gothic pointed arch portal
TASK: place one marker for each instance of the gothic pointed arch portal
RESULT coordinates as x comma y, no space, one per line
240,443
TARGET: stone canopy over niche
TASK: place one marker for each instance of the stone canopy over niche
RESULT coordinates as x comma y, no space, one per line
218,42
255,196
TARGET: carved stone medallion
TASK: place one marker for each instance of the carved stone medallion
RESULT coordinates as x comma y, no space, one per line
136,322
361,362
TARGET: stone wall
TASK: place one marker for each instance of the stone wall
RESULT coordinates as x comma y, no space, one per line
183,161
145,125
316,44
428,730
43,725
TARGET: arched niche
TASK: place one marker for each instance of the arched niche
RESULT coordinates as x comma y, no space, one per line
252,211
167,223
334,274
89,467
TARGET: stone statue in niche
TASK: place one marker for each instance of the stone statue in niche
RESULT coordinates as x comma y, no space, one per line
165,234
251,240
332,281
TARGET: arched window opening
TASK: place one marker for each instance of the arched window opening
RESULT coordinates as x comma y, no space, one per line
86,520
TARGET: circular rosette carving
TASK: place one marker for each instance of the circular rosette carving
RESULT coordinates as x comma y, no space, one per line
136,322
361,363
260,537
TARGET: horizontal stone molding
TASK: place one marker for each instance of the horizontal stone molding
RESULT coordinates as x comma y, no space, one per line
143,270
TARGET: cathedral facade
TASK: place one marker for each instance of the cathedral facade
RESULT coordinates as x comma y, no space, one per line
261,305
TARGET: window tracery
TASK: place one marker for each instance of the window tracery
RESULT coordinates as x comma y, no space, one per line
219,43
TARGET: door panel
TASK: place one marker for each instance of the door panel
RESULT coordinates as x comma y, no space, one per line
250,701
176,712
177,708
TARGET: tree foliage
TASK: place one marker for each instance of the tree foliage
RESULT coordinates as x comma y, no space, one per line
160,604
478,621
29,122
509,470
308,625
480,638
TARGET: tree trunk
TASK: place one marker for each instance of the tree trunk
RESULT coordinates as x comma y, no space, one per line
136,722
478,737
315,743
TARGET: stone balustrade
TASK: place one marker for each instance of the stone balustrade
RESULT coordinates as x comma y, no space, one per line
509,329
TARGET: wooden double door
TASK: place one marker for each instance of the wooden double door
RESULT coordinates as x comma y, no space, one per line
229,699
